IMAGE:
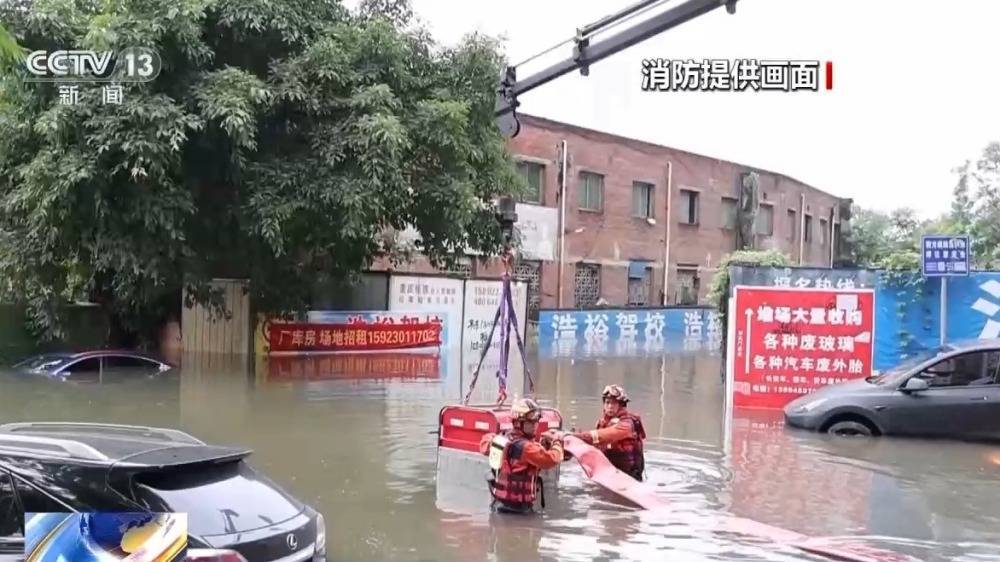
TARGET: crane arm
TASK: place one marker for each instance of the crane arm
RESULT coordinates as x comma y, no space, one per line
586,54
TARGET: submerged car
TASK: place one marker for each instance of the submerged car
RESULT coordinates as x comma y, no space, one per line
92,365
951,391
234,513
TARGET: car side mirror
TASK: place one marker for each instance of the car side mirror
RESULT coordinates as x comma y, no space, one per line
915,384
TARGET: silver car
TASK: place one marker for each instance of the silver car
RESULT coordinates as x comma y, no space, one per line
952,391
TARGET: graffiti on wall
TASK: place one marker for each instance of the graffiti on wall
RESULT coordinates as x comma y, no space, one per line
627,332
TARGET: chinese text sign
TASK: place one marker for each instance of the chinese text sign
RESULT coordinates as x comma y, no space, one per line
791,342
942,256
352,337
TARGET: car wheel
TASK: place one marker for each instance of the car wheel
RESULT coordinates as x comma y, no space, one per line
850,429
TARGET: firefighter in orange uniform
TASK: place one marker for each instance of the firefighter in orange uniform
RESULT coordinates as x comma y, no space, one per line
517,458
619,433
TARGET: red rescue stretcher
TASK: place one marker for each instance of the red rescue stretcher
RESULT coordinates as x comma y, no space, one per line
463,427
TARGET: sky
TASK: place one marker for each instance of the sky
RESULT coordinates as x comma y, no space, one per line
915,86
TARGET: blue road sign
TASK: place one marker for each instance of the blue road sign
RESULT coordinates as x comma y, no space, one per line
945,256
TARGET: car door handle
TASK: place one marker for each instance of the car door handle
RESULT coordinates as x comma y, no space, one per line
980,399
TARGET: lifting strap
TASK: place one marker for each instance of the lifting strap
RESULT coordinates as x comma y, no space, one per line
506,318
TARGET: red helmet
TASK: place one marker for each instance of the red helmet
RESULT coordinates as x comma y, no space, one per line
617,392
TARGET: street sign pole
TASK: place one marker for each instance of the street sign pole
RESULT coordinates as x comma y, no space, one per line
945,256
944,310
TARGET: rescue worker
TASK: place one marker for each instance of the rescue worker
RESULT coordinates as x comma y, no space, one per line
517,458
618,433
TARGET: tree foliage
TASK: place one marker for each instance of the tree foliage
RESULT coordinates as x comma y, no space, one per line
892,240
10,50
284,141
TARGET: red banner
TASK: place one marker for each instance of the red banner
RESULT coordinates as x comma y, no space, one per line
789,342
392,365
352,337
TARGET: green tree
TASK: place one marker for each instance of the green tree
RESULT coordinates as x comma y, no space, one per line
986,223
962,208
284,141
868,235
10,50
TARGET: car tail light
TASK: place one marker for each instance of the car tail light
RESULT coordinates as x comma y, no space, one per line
212,555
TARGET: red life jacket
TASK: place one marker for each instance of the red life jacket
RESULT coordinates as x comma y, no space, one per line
514,485
627,454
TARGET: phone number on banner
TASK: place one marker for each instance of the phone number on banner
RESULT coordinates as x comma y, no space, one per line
352,337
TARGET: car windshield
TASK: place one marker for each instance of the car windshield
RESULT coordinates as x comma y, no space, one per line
890,375
43,363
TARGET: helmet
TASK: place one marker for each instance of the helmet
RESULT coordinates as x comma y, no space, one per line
615,391
525,409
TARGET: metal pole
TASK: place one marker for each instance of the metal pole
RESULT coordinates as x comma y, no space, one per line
608,20
834,219
614,44
802,226
944,310
562,217
669,218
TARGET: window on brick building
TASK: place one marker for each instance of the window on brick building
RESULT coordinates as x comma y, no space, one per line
807,229
688,285
729,212
591,192
534,174
530,272
765,220
642,200
793,225
587,284
688,208
824,234
640,283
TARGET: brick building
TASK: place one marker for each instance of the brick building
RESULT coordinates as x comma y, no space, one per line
619,218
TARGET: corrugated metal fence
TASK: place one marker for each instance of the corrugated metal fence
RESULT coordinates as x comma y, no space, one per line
201,332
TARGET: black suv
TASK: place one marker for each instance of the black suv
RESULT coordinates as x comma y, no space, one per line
235,514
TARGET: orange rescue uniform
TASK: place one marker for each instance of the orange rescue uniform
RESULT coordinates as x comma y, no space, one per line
532,454
620,437
515,484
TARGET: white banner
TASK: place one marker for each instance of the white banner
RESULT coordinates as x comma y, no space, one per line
430,294
538,227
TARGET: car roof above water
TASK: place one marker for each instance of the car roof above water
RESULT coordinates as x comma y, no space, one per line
107,444
65,356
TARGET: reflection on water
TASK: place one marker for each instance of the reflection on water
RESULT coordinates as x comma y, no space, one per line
355,437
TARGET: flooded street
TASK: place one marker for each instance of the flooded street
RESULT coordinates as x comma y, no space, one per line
363,451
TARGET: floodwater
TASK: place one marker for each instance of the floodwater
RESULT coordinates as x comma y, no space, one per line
362,449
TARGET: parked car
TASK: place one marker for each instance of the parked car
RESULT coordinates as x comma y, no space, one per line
93,365
952,391
235,514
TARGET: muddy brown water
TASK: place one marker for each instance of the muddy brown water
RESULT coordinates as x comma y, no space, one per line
361,448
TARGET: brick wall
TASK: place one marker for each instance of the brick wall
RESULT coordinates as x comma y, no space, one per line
613,237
